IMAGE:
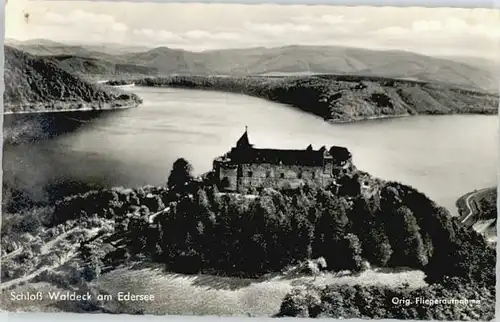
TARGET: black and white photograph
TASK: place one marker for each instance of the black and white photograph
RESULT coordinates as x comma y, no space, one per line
250,160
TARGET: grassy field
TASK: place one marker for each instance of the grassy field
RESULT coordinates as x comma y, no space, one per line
213,295
195,294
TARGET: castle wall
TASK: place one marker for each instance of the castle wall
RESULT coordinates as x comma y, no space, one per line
281,176
251,176
227,176
245,169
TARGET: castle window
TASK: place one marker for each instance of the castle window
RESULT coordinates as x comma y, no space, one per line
300,175
250,173
268,174
314,175
282,175
225,183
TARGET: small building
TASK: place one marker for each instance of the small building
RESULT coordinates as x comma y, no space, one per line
245,167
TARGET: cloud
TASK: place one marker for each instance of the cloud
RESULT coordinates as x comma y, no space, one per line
327,19
146,35
210,26
192,39
77,24
79,19
447,27
392,31
205,35
447,36
273,29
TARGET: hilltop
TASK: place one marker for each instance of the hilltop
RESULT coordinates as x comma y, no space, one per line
462,71
88,67
44,47
188,238
33,84
339,98
50,47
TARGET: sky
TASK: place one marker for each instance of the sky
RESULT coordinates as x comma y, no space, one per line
197,26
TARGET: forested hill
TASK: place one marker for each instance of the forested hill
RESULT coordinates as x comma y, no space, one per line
89,68
346,98
192,229
34,84
466,72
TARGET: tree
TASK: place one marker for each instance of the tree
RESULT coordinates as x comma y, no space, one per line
353,251
252,234
466,255
390,197
415,251
330,229
302,231
405,238
361,218
181,174
300,302
377,248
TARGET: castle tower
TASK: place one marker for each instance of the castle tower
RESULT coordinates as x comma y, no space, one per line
244,142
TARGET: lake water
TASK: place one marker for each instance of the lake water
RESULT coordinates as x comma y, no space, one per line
442,156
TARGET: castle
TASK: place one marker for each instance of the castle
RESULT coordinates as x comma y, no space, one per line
245,168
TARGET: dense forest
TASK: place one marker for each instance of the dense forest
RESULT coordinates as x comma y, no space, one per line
203,230
343,98
460,300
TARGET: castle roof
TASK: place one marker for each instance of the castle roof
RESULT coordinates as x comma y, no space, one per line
244,152
272,156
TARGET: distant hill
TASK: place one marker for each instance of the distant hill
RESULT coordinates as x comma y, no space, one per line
115,49
479,62
33,83
84,67
49,47
460,71
54,49
87,61
317,60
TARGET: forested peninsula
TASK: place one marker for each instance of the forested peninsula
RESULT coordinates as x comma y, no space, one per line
340,98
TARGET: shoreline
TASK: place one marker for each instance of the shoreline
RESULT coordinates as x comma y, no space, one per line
88,108
330,120
382,117
369,118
